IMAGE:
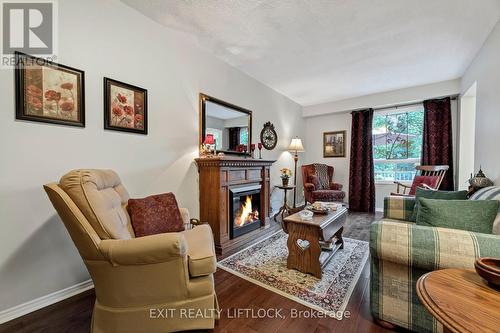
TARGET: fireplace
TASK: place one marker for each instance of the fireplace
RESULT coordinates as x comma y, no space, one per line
221,179
244,210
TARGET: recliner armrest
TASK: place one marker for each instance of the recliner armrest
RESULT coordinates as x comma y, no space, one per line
144,250
202,259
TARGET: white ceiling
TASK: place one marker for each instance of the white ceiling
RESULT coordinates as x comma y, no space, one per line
315,51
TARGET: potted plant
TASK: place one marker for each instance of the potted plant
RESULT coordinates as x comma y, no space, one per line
285,175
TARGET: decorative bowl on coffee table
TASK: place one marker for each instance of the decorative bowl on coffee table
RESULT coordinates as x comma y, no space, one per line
489,269
318,211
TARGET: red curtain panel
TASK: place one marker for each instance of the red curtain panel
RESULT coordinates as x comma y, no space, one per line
234,138
437,145
361,174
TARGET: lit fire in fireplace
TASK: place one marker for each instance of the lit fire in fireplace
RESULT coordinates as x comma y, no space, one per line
247,215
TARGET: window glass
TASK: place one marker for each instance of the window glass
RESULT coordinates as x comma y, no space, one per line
244,136
397,143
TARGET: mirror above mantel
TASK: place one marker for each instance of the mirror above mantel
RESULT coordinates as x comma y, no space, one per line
226,126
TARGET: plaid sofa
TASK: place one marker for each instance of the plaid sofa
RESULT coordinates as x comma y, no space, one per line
402,251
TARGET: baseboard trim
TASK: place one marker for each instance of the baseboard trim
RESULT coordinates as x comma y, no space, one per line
380,210
41,302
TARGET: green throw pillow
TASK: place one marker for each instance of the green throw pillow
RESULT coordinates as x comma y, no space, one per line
433,194
471,215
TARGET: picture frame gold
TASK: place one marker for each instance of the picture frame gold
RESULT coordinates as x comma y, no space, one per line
334,144
203,100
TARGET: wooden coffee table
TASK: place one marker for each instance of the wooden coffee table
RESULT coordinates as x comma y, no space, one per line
460,300
306,238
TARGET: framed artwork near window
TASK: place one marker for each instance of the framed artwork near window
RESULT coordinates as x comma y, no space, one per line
125,107
334,144
49,92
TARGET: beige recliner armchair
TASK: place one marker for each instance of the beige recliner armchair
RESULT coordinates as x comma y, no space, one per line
159,283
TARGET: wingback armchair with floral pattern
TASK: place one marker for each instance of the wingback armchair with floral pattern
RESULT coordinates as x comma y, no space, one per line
318,184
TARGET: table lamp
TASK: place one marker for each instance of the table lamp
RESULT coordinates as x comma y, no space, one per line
295,147
210,140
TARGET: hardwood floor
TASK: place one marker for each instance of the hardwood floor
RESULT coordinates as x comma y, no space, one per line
71,315
74,314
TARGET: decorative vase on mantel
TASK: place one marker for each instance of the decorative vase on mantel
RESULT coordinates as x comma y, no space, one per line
285,181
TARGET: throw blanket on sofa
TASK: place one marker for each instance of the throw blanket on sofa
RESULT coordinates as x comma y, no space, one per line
322,173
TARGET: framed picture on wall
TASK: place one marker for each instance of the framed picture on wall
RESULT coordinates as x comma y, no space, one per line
125,107
49,92
334,144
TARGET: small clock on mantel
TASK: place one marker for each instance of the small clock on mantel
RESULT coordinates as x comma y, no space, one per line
268,136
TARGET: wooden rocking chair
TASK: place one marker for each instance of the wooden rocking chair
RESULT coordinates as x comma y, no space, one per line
438,171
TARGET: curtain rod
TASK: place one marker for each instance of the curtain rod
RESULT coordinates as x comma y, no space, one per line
452,97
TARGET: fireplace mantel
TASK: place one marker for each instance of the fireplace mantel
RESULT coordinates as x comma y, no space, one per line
232,162
216,176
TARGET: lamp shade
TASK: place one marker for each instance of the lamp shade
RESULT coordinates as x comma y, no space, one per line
296,145
209,139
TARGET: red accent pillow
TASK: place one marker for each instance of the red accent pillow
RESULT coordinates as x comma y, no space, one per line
432,181
155,214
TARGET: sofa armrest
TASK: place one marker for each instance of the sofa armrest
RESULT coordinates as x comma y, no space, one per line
336,186
399,207
144,250
309,187
430,248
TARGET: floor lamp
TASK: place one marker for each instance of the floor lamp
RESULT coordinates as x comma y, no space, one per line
295,147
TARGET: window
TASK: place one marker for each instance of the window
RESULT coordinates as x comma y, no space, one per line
244,136
397,143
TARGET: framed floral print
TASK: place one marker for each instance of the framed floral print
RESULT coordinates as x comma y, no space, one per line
49,92
125,107
334,144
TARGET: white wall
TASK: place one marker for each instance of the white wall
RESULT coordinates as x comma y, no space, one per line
485,70
400,96
107,38
313,144
239,122
467,137
327,117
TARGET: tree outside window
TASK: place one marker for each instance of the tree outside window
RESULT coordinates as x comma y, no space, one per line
244,136
397,143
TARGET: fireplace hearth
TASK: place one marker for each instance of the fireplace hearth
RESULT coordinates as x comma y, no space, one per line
244,210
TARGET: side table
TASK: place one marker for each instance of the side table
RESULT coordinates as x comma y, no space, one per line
460,300
285,207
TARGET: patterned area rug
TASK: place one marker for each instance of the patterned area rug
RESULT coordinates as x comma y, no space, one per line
264,264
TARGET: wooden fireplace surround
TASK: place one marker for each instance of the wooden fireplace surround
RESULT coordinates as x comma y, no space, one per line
216,176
